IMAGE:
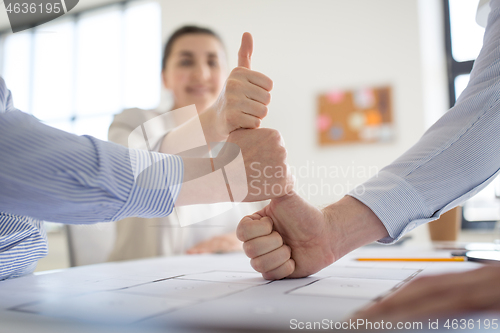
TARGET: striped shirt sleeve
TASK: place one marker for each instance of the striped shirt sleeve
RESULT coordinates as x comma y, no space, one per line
56,176
23,242
457,157
48,174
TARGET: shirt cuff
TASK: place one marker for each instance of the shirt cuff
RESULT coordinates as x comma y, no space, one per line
395,202
157,180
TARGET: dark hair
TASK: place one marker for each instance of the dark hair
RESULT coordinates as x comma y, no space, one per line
185,30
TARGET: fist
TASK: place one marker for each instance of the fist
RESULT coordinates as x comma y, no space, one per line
245,96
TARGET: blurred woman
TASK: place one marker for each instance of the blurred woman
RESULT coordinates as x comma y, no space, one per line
194,69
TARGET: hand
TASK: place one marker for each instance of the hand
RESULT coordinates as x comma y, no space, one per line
291,238
218,244
440,295
260,172
264,155
288,238
243,101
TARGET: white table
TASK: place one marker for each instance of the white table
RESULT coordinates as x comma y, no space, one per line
203,293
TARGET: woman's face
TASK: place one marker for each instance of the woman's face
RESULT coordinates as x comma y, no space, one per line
195,71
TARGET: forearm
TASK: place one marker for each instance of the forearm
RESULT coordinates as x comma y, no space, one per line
203,182
56,176
456,157
352,225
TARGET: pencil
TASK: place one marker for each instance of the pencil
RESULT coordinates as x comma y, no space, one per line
458,258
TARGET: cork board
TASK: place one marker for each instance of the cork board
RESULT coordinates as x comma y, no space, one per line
355,116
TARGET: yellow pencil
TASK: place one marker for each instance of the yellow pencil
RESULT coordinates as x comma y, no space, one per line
414,259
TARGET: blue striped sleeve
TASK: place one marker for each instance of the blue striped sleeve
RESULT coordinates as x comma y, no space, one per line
56,176
52,175
23,242
457,157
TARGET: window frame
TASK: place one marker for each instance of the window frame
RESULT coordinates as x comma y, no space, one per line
455,69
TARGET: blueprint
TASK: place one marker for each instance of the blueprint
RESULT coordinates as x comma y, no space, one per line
205,290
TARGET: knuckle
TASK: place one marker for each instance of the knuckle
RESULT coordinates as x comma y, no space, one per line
240,232
278,239
232,84
249,250
243,228
274,135
257,265
268,226
237,71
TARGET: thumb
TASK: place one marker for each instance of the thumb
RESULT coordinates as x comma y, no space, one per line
246,49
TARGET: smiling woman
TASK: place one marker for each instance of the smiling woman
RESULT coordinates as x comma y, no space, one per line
194,69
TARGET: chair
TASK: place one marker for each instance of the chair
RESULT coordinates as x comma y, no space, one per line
90,243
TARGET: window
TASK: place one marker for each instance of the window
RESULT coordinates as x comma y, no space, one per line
464,39
76,72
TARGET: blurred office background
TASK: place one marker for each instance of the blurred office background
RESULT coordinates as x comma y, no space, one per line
75,72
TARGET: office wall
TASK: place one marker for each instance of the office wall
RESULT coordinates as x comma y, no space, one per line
308,47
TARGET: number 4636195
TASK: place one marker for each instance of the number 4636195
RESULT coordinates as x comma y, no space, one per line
33,8
471,324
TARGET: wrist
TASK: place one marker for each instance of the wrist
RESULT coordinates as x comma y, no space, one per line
212,128
353,224
200,184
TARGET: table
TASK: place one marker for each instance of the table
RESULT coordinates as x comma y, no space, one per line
204,293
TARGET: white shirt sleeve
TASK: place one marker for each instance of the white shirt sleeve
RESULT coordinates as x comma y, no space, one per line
457,157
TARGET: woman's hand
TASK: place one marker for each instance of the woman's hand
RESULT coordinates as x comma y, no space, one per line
243,101
218,244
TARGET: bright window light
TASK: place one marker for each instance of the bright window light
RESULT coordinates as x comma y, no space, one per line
96,126
17,68
461,83
142,55
99,62
466,34
53,71
76,72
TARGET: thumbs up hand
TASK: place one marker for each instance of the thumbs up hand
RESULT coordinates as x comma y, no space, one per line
243,101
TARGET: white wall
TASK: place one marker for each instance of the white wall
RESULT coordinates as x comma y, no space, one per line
309,47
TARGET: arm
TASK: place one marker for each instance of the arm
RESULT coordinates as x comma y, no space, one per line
53,175
261,149
457,157
56,176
